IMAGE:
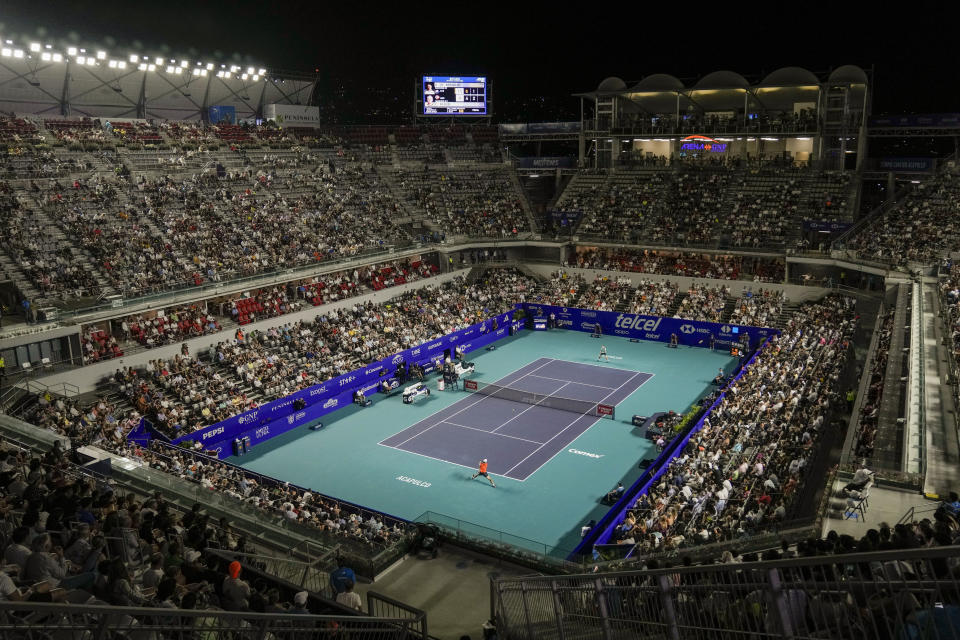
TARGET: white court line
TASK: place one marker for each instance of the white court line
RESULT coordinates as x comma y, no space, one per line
528,408
567,427
502,435
390,446
549,360
598,386
587,364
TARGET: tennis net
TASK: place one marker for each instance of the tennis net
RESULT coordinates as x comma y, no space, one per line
583,407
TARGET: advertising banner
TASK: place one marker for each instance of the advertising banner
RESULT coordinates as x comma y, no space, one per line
630,325
279,416
292,115
555,162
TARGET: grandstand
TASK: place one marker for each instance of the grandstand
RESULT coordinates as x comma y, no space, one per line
167,275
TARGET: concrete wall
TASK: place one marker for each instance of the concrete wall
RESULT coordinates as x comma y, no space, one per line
87,378
795,293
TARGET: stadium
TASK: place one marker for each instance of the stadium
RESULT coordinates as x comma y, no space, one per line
643,373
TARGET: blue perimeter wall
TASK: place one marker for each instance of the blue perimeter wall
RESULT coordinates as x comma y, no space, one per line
278,417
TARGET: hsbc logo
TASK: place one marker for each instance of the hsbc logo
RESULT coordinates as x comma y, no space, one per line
687,328
725,329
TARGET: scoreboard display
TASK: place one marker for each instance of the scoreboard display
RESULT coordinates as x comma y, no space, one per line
454,95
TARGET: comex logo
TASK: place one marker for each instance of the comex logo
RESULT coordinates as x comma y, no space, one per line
687,328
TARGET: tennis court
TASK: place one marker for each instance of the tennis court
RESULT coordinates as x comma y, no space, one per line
524,419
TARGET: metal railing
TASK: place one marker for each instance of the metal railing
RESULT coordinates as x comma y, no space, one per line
29,620
499,543
313,576
890,594
380,606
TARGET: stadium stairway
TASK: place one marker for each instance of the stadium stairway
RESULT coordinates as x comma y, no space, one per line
524,203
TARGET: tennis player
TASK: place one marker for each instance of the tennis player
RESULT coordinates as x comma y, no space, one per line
482,471
603,353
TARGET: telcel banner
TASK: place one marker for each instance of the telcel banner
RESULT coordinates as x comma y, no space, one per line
279,416
631,325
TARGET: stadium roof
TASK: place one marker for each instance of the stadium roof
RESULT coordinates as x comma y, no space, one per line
725,90
44,78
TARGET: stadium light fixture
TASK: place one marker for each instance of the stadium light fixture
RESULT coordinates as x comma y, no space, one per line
184,64
143,66
57,57
91,62
6,52
261,72
158,61
255,77
804,139
101,55
122,64
250,71
169,68
234,68
152,67
18,53
133,58
45,56
35,46
178,70
770,139
243,77
209,66
71,51
112,64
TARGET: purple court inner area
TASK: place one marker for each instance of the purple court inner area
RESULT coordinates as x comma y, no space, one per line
517,438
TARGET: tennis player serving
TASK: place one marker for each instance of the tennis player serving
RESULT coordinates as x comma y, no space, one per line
482,471
603,353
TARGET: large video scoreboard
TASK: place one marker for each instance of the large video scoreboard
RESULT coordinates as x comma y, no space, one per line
454,95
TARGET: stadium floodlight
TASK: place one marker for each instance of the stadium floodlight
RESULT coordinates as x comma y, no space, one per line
143,66
243,77
122,64
234,68
18,53
112,64
261,72
203,73
255,77
250,71
91,62
805,139
184,63
178,70
48,46
81,59
101,55
152,67
158,61
6,52
133,58
169,68
57,57
770,139
209,66
35,46
71,51
45,56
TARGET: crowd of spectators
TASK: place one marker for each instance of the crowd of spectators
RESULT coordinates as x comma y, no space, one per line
606,294
713,266
923,227
467,202
870,408
760,309
742,470
704,302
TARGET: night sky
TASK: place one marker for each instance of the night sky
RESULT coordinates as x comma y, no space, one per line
535,56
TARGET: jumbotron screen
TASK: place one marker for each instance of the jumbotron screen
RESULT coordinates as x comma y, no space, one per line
454,95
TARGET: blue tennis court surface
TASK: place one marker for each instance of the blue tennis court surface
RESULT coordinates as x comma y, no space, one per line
518,439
